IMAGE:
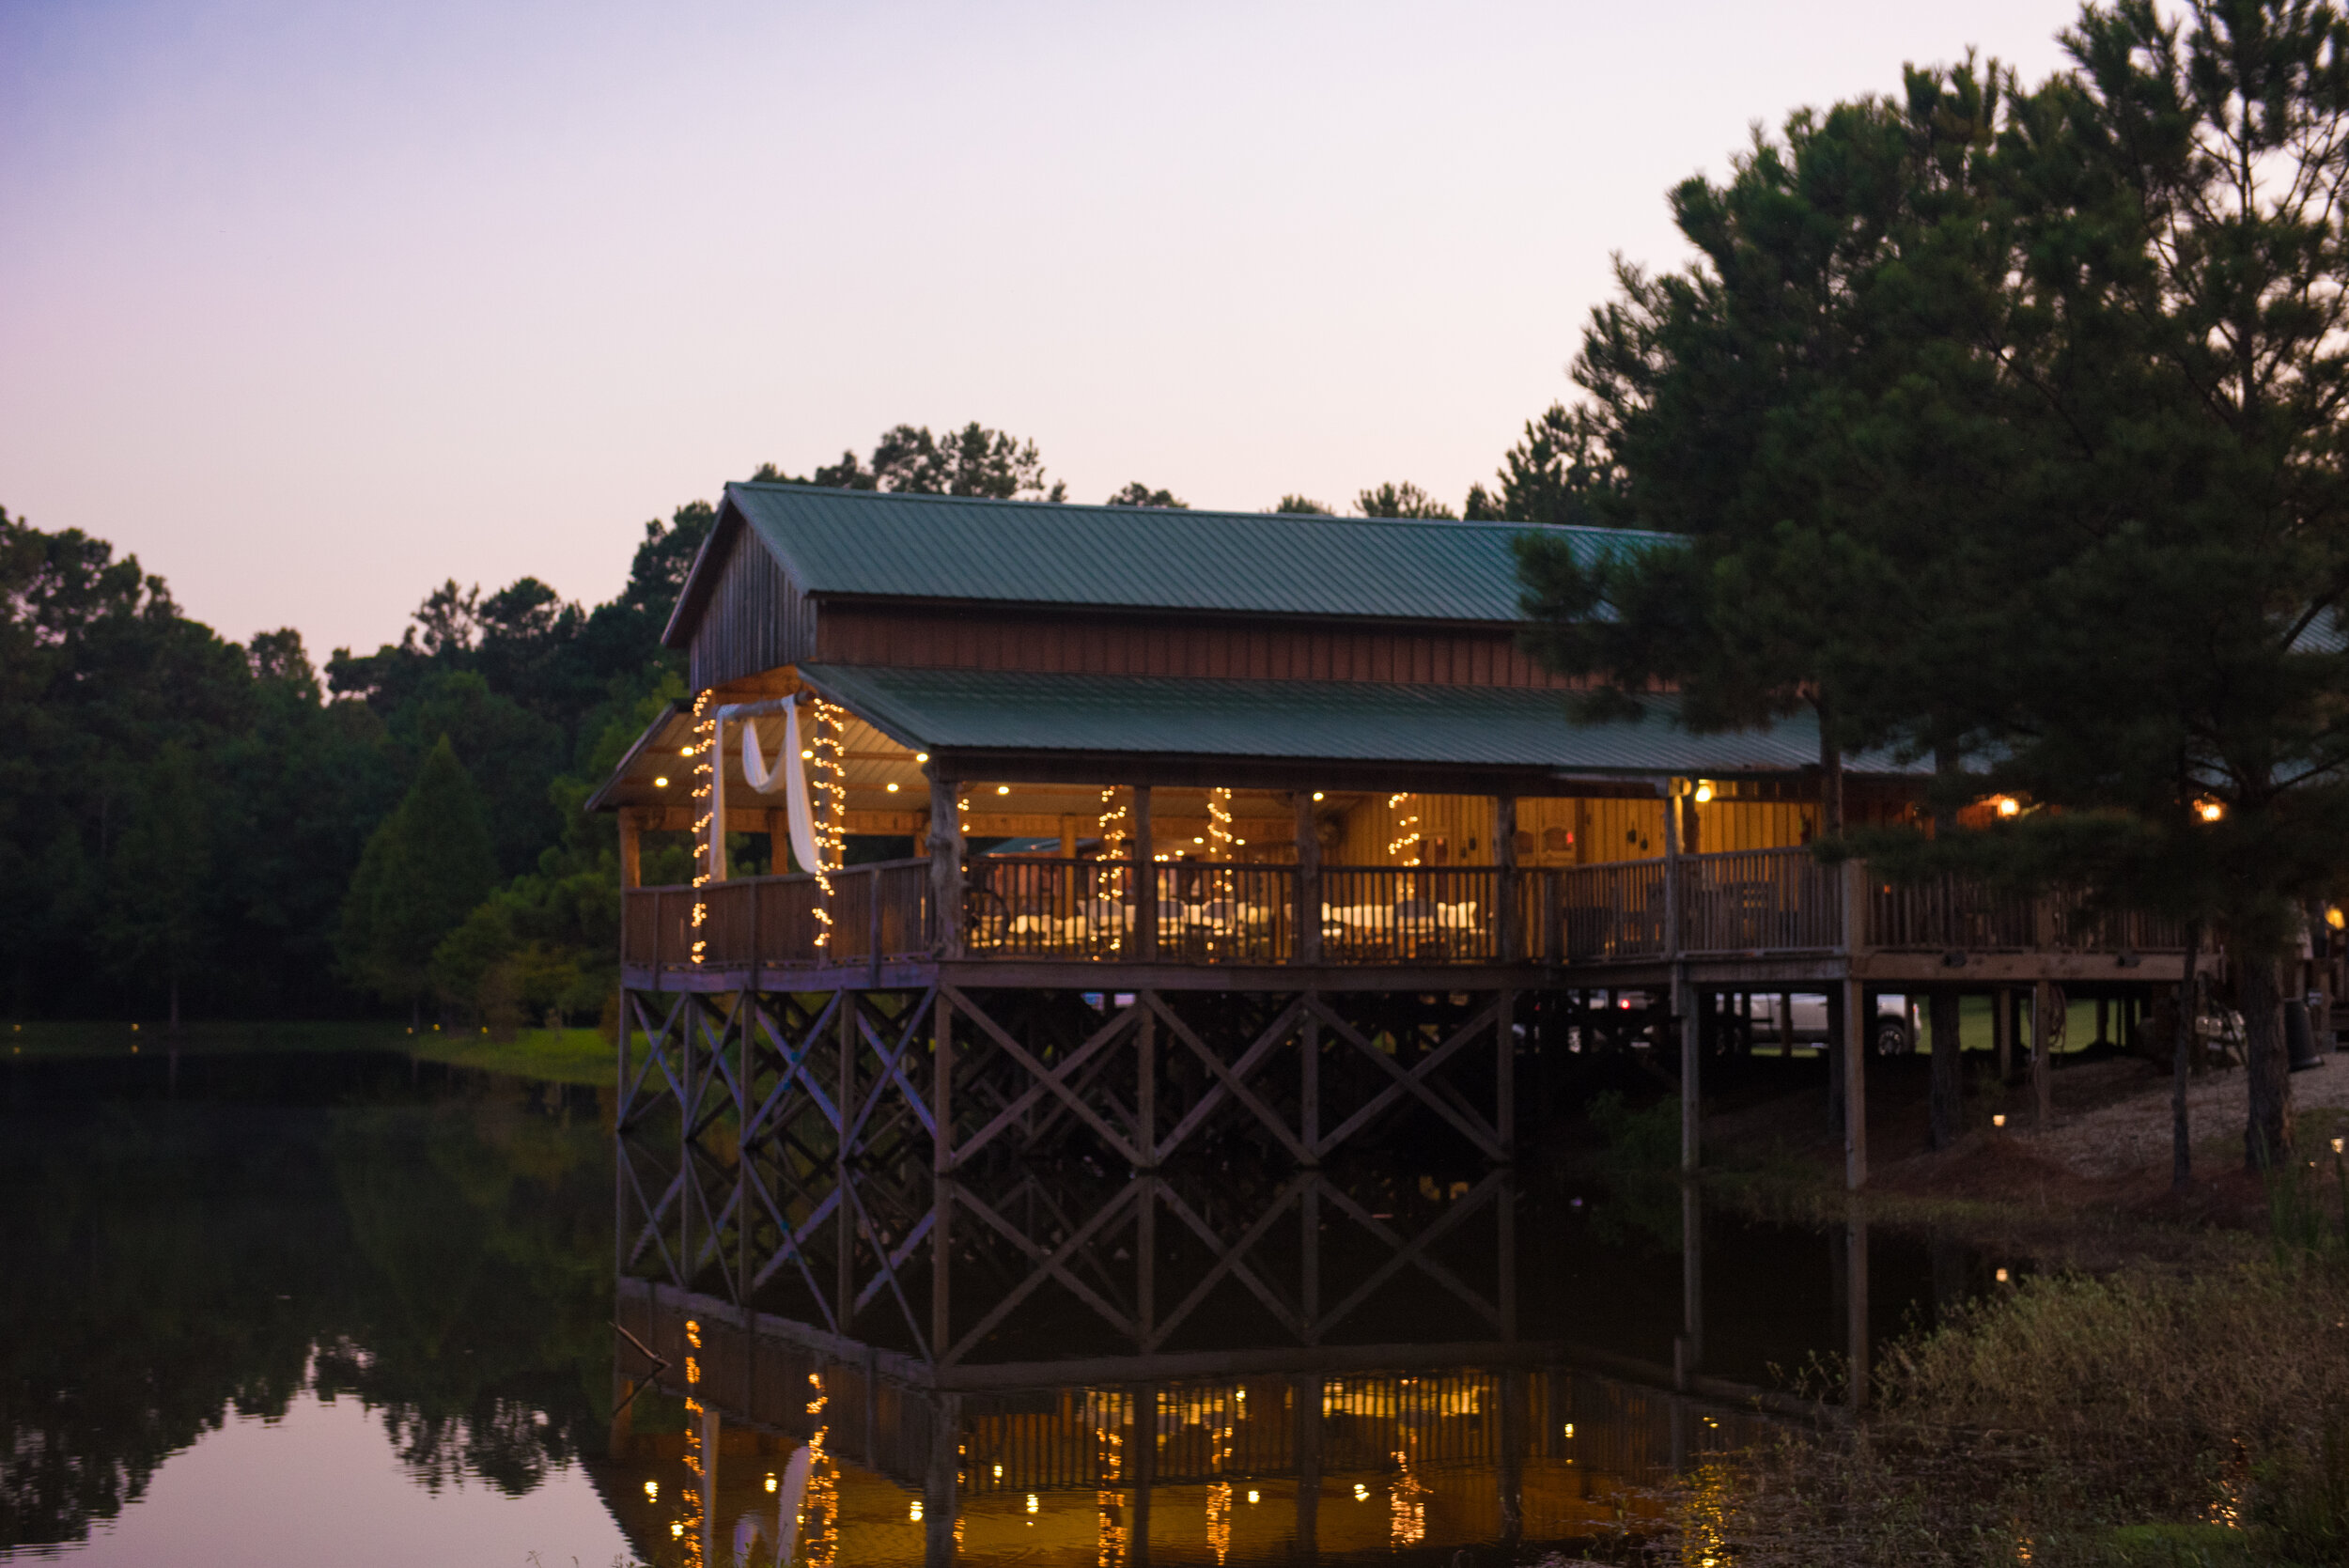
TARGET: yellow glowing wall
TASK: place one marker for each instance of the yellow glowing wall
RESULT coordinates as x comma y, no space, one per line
1456,830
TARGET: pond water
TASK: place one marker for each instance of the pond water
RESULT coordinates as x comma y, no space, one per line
345,1308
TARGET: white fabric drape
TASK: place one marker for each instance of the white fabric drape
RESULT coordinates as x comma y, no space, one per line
788,776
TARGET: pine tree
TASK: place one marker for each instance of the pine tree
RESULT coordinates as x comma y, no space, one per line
422,873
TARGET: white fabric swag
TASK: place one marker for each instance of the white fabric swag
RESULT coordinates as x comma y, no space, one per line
788,776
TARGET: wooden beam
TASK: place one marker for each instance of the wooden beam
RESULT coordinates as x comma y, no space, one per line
632,848
1858,1027
1505,859
1145,880
946,852
2042,1062
1308,879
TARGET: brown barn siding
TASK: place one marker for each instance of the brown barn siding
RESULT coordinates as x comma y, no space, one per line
756,619
967,639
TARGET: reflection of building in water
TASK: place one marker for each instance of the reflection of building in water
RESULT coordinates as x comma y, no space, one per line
1239,1470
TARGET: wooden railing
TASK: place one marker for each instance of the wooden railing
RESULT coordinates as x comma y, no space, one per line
1744,902
1760,900
1612,912
1410,914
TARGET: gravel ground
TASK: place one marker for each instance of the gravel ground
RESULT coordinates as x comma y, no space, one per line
2131,1135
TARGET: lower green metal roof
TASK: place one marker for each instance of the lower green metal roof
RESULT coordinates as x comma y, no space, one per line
1469,726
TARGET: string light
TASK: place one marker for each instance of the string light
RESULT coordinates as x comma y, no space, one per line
1407,830
1109,1414
691,1494
702,751
820,1502
1114,852
1220,824
831,754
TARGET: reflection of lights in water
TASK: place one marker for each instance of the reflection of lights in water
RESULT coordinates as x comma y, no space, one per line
999,1472
1569,1429
819,1511
1255,1497
1109,1414
1219,1519
1704,1519
1407,1503
913,1511
770,1484
1032,1502
1362,1493
689,1530
652,1490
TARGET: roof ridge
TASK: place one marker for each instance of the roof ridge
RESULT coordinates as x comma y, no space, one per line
900,496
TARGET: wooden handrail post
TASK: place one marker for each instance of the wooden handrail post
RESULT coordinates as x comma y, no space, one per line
632,848
1683,1003
751,982
719,869
946,848
1857,1026
1308,948
1145,880
1510,926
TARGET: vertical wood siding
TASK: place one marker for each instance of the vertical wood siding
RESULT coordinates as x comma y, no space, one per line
756,619
1051,641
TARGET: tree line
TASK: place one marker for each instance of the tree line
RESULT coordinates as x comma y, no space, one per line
2001,425
193,825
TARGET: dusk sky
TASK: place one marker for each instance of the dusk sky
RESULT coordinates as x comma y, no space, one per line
313,307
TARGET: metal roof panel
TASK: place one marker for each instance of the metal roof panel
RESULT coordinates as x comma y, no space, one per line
1339,721
866,542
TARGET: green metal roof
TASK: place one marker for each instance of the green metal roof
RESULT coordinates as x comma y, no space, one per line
1468,727
1038,552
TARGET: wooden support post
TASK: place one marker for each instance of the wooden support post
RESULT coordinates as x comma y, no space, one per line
1509,918
2002,1032
1511,1469
1856,1028
939,1482
632,848
1145,880
1306,1417
1505,1071
1146,1080
1308,948
1144,1468
1309,1084
1505,1215
844,1086
946,848
718,868
941,1178
1692,1273
1146,1266
1683,1006
2042,1054
1309,1260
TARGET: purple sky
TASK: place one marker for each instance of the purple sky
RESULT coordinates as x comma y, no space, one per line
313,307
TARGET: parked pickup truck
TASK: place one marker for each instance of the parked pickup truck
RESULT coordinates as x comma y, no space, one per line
1895,1031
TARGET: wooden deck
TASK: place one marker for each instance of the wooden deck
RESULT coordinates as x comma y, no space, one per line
1754,917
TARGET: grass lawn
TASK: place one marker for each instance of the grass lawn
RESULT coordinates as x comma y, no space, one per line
564,1056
